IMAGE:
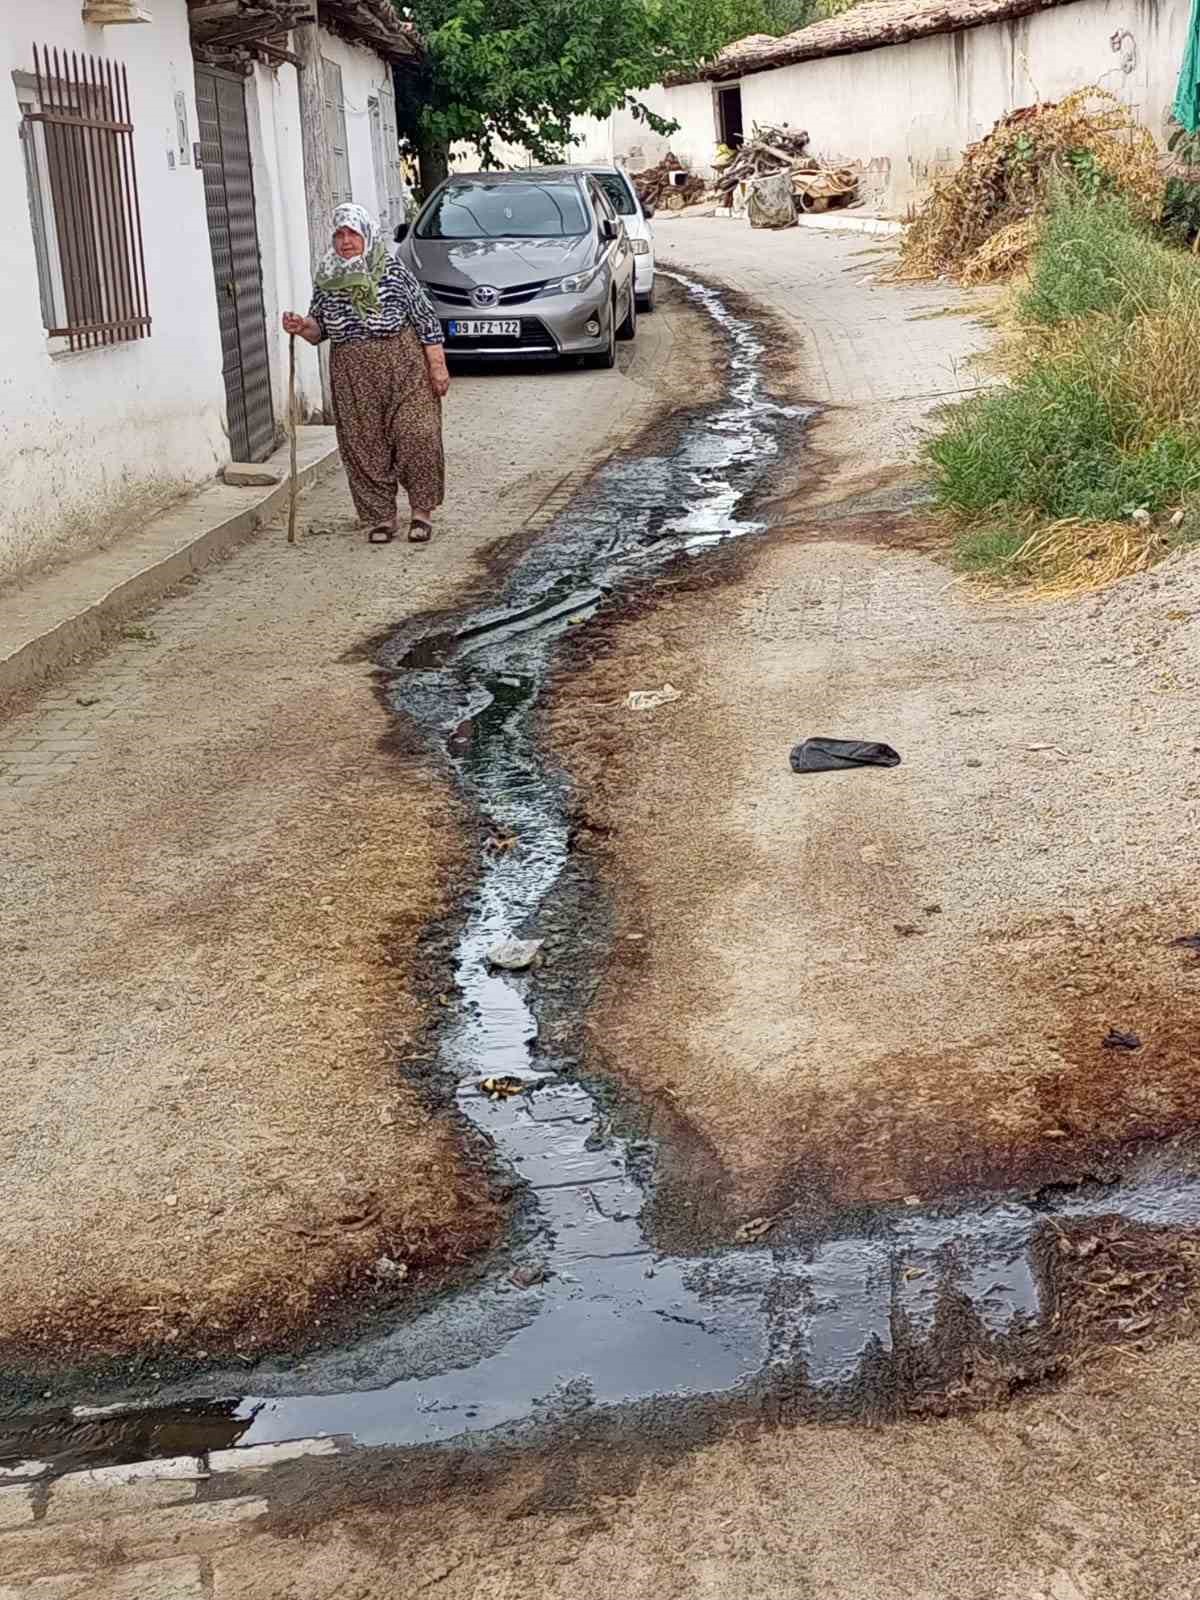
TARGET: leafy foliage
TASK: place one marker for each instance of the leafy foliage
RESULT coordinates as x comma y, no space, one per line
518,71
1181,208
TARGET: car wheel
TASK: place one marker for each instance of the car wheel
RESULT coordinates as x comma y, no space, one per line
646,301
628,328
608,356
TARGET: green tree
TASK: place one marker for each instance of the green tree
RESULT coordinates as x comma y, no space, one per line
517,71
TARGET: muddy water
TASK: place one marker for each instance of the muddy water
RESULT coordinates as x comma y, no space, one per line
598,1318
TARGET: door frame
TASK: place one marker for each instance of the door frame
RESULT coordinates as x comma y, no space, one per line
720,100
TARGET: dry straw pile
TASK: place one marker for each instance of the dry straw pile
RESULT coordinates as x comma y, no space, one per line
981,222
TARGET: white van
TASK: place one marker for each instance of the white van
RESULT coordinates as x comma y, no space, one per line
618,186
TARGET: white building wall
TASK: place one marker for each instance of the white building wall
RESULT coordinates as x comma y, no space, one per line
273,115
620,136
91,442
907,112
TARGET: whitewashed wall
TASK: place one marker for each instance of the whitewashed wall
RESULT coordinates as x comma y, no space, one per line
91,442
908,111
273,115
618,137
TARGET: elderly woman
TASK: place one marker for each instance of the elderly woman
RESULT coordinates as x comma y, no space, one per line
388,373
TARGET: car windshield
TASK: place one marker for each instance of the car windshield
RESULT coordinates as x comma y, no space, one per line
482,210
618,192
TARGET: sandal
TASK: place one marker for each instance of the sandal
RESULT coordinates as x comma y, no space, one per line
420,531
381,533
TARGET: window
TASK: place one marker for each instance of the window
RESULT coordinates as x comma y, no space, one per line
335,130
81,181
505,210
620,195
604,206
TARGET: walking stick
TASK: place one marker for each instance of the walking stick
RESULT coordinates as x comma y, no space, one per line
291,539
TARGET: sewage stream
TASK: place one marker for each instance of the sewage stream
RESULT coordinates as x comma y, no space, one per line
606,1319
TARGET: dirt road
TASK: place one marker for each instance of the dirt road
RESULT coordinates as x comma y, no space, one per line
219,890
857,988
776,987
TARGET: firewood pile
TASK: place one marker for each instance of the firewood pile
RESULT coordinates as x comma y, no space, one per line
669,186
782,149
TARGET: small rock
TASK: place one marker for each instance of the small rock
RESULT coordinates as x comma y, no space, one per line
1177,518
525,1277
389,1271
87,699
1141,516
907,929
251,475
387,1117
514,955
171,1200
973,761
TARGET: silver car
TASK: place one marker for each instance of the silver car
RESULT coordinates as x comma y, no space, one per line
519,264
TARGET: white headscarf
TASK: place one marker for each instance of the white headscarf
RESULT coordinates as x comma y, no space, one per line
359,277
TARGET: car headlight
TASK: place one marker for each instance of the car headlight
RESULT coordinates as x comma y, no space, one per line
640,247
576,283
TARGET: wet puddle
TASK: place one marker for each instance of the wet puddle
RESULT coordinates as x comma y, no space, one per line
599,1318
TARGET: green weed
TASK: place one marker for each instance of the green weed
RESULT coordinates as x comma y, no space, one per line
1102,417
1093,258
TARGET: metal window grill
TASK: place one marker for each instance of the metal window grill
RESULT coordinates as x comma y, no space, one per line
89,230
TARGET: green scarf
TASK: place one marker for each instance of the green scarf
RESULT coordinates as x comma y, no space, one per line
358,279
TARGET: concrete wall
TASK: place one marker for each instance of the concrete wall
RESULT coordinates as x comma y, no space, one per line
91,441
906,112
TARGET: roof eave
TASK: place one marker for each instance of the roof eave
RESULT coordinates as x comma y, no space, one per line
373,23
789,54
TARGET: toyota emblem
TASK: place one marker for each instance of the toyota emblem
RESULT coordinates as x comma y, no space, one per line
484,296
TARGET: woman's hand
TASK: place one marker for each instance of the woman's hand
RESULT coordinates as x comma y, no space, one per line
306,327
439,376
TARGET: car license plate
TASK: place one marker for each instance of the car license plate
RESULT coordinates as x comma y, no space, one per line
489,329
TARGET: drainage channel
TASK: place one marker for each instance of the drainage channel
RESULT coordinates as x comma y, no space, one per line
604,1319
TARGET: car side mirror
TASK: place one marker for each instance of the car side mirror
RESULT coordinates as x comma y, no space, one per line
401,232
647,209
609,229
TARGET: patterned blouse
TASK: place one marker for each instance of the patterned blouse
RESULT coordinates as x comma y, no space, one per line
402,303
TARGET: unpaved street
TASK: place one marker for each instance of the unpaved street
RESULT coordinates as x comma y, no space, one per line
855,988
220,865
850,1263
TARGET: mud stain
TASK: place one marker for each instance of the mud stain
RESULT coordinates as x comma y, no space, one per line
890,1308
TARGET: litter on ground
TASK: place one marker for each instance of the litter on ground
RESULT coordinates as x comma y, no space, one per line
832,755
651,699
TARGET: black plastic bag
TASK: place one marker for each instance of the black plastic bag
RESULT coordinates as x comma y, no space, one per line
831,755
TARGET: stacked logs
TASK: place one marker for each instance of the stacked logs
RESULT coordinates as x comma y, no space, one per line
782,149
